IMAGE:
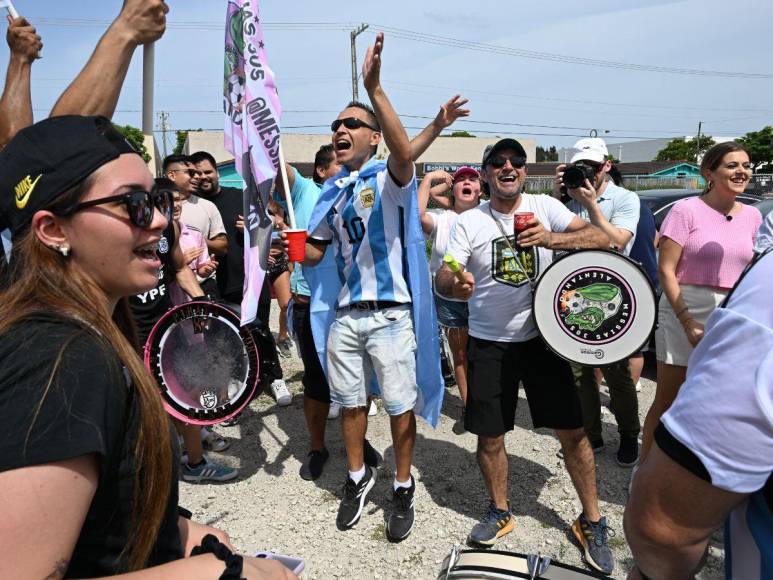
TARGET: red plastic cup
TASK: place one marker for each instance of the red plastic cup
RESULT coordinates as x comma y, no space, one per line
296,245
521,220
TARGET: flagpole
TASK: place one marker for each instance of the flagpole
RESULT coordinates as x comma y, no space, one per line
11,10
286,186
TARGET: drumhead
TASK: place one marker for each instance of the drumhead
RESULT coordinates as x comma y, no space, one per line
594,307
501,565
205,363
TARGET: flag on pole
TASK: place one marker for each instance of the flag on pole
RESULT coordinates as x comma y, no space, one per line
252,114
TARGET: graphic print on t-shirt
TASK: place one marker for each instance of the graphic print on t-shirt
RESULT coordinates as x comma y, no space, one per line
505,269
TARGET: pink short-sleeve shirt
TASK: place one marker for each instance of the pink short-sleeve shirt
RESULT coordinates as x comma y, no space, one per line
715,250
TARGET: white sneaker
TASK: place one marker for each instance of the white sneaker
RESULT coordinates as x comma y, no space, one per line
334,411
373,409
638,386
211,441
280,392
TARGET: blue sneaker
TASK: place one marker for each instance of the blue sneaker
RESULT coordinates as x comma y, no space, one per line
593,542
208,471
495,524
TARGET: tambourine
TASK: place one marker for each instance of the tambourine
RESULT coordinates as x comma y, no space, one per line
205,363
594,307
500,565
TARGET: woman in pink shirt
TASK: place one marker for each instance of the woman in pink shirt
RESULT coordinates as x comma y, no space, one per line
705,243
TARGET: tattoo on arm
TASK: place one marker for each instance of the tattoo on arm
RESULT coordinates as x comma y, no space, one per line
60,568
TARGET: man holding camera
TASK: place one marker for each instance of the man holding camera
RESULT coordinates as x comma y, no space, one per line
615,211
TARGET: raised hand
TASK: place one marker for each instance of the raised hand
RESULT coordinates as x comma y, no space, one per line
451,111
371,67
143,21
191,254
25,43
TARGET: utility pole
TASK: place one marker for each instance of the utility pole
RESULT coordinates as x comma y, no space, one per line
163,126
698,143
353,36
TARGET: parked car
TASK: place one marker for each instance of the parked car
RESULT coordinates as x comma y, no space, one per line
765,206
660,201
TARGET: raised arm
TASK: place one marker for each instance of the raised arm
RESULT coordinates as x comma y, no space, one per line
16,101
96,89
435,184
446,116
400,160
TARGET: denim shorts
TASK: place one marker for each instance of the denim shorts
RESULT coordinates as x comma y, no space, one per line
450,313
381,341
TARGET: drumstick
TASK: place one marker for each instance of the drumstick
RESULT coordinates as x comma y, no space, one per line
453,265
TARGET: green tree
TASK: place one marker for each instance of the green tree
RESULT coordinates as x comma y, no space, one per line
547,154
680,149
459,134
181,136
759,144
137,139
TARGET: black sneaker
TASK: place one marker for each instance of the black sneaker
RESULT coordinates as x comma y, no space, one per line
628,453
593,542
400,522
597,446
372,457
355,494
458,427
312,466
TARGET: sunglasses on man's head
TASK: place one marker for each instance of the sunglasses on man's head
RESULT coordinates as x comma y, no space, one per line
351,123
498,161
140,205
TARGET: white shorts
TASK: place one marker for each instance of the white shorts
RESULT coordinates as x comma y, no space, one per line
671,342
381,341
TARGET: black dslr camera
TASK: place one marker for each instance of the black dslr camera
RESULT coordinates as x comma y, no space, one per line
575,176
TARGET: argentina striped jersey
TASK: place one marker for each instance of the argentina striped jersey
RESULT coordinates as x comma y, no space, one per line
365,228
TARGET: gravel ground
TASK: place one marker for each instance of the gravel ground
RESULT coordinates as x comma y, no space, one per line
269,507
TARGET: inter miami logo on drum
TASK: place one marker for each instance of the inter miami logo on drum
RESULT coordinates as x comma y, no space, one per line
594,305
505,269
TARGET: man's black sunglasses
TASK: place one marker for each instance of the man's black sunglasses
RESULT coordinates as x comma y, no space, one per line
498,161
139,204
351,123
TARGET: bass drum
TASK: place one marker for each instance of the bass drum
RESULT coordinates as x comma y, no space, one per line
594,307
498,565
205,363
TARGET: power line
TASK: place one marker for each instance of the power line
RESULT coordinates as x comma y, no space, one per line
427,38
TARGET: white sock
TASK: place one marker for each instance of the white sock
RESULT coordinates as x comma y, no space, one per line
398,484
356,476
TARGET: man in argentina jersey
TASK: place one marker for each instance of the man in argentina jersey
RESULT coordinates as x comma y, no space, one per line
362,217
712,461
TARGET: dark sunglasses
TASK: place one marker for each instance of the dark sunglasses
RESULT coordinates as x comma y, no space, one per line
351,123
140,205
498,161
191,172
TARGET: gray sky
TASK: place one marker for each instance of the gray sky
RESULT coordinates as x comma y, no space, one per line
555,101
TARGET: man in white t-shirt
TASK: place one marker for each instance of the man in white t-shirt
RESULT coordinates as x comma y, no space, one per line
712,459
505,347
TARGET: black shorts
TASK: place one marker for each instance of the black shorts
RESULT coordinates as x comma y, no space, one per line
315,384
493,375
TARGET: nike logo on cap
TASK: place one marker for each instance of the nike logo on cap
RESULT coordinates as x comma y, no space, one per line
23,190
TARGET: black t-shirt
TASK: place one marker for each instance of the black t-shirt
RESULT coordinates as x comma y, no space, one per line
149,306
88,408
230,276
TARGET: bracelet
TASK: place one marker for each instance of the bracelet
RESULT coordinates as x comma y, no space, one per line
682,311
234,563
202,297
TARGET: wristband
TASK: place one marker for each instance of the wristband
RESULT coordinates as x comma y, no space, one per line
204,297
234,563
682,311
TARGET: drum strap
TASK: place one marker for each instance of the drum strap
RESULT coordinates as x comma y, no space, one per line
509,245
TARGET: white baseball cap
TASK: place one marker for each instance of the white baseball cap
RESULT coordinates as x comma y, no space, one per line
589,149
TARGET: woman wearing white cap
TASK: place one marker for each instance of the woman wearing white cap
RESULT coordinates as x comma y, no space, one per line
465,190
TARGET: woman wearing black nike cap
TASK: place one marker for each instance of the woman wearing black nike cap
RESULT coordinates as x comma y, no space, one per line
87,478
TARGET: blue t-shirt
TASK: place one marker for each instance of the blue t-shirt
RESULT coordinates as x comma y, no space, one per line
304,194
643,249
619,206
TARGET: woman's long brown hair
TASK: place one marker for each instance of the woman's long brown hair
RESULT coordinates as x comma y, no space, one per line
43,282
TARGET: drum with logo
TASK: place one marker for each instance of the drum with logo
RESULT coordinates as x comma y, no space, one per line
496,564
204,361
594,307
